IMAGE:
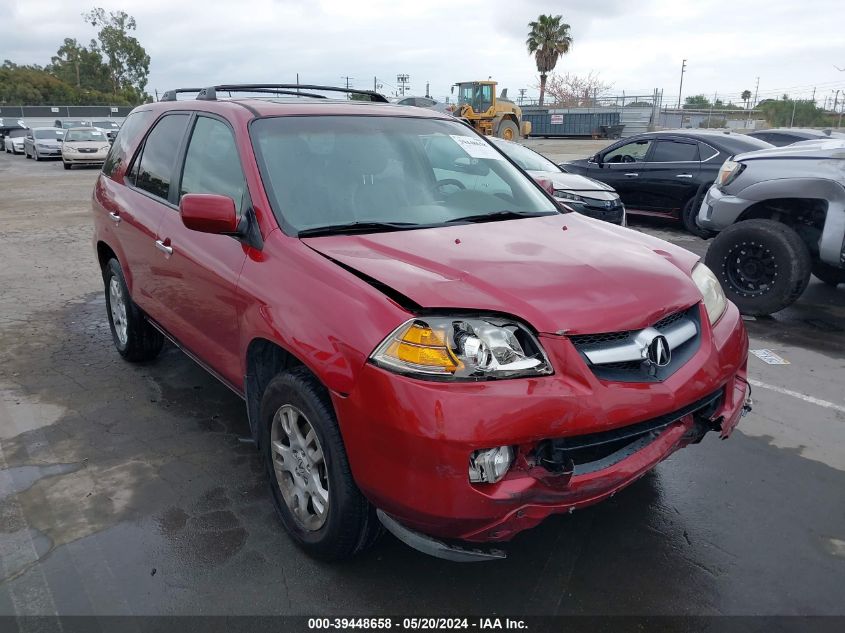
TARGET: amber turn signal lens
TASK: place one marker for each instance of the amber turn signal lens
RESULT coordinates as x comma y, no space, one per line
423,356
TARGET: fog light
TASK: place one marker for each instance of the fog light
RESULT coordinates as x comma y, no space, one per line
490,465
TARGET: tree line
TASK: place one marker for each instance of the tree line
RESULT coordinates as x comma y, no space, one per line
112,69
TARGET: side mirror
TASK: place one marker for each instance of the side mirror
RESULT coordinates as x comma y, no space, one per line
596,158
209,213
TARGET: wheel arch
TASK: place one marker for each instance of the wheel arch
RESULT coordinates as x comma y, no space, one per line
264,360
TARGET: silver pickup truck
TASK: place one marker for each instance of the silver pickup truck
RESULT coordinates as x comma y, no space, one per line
780,217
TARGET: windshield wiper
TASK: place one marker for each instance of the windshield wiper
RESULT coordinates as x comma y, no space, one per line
498,215
357,227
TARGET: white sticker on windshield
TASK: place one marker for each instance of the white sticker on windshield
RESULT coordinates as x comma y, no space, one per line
476,148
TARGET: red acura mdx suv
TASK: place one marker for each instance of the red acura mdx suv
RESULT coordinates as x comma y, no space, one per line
424,339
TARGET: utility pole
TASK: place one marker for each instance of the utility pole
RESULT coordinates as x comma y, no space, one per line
348,79
403,81
814,95
427,90
792,120
681,88
835,101
710,116
756,88
521,96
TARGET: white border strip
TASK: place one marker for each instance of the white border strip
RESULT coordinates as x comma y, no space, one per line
800,396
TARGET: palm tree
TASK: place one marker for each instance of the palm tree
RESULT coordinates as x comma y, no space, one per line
745,96
548,39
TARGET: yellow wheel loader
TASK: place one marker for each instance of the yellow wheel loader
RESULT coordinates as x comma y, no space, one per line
476,103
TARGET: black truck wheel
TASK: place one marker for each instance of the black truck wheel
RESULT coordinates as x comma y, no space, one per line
763,265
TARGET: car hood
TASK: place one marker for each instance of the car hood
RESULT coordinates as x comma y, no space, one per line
573,182
561,273
820,148
47,141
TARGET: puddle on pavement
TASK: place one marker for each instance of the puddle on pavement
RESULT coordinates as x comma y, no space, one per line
21,478
20,413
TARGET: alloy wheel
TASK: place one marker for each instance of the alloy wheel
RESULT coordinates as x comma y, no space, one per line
300,467
117,304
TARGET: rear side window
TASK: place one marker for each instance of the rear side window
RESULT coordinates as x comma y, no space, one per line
705,152
211,163
155,167
134,125
674,152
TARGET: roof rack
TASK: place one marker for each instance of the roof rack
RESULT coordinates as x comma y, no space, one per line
210,93
170,95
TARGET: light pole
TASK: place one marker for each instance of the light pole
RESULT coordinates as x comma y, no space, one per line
681,88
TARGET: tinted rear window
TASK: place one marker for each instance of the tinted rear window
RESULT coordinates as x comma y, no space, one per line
158,157
134,126
674,152
739,144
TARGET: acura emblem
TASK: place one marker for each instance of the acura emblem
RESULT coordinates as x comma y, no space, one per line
658,352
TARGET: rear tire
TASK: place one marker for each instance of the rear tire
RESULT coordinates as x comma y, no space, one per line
348,523
763,265
134,338
830,275
508,130
688,218
66,165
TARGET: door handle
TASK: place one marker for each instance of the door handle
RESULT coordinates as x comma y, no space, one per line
684,176
164,248
115,217
632,175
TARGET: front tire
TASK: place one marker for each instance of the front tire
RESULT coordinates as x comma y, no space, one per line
134,338
508,130
763,265
66,165
830,275
314,493
35,155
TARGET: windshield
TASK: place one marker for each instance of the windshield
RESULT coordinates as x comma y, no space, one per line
69,124
106,125
17,133
48,133
85,135
528,159
323,171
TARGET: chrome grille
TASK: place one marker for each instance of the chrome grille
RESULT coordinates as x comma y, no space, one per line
620,356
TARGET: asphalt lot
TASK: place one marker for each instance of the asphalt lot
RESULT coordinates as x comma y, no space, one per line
128,489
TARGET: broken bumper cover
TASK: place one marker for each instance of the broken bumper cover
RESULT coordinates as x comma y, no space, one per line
409,441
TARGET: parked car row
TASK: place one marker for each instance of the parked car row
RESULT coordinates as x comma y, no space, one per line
75,145
775,197
664,174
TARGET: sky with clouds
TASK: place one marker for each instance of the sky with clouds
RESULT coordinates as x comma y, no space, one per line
636,45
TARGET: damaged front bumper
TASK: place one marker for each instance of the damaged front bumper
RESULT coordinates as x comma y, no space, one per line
576,439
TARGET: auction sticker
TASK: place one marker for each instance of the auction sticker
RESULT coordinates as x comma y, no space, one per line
557,119
476,148
769,357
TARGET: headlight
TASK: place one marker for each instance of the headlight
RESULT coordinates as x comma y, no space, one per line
729,172
563,194
711,290
462,348
105,148
68,148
